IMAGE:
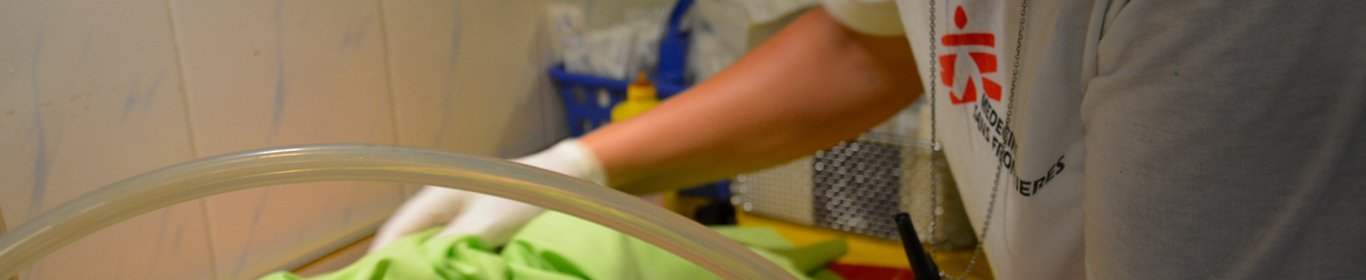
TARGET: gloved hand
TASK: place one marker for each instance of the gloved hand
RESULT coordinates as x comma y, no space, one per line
493,219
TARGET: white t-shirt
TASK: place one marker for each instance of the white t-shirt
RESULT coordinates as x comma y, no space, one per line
1209,139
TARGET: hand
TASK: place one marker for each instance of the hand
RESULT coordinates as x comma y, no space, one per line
492,219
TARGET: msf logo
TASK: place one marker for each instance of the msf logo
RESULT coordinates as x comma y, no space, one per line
972,55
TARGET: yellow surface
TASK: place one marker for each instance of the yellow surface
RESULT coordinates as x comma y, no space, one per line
864,250
955,262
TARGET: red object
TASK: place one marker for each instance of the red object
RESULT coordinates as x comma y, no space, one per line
970,39
959,17
973,45
858,272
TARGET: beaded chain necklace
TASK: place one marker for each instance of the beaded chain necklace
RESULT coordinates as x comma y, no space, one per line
936,149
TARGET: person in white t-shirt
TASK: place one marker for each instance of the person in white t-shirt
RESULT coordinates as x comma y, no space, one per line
1107,139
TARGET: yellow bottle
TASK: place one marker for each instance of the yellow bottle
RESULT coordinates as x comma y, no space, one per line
640,97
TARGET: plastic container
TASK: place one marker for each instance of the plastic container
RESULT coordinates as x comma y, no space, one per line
640,97
200,178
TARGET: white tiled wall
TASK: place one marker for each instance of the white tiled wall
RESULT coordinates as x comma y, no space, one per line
274,73
92,92
499,38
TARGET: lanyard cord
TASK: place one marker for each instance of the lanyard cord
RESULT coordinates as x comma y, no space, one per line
936,149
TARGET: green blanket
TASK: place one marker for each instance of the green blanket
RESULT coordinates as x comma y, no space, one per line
559,246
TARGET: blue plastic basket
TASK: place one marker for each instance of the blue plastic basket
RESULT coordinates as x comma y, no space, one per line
588,99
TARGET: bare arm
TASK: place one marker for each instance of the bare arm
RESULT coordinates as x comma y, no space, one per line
810,86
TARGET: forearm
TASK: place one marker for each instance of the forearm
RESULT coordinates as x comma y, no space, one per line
810,86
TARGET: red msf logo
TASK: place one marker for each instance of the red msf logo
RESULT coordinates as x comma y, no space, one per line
969,50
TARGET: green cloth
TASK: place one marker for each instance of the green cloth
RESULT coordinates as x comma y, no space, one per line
558,246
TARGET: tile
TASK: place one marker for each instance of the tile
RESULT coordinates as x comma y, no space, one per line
468,80
261,230
171,243
91,93
272,73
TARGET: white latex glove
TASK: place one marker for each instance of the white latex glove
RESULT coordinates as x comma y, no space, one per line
493,219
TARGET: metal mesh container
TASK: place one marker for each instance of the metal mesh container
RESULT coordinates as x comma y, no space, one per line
858,186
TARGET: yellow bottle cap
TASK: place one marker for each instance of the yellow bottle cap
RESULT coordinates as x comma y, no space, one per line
641,89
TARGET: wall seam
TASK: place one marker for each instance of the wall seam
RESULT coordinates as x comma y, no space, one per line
388,69
3,228
189,128
546,91
389,80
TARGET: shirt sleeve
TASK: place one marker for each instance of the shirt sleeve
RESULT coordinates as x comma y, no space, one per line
872,17
1229,133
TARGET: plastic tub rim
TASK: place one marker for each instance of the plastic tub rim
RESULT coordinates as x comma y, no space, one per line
125,199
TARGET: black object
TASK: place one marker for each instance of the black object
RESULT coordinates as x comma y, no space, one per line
921,264
715,213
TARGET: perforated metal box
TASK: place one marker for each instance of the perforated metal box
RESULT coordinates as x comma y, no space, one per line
858,186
